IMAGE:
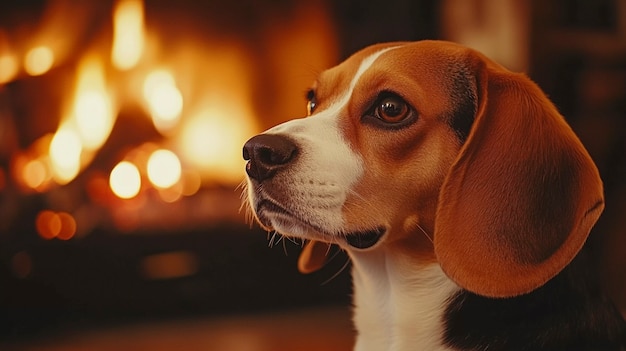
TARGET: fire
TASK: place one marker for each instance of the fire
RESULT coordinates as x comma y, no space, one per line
211,139
65,152
87,126
128,33
164,100
203,91
92,113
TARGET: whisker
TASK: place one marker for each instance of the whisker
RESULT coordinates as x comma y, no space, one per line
293,240
272,239
242,186
341,270
425,233
245,203
363,203
284,245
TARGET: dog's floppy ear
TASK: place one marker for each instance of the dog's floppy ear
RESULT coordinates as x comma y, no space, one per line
313,256
519,201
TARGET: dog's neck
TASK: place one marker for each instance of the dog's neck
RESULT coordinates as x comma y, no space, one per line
396,306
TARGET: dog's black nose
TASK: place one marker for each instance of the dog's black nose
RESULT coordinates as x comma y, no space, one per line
266,154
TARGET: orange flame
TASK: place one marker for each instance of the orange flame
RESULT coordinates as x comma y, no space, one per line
86,127
128,33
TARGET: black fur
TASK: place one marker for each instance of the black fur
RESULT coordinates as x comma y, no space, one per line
465,99
569,313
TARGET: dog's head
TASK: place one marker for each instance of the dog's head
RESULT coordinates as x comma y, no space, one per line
430,148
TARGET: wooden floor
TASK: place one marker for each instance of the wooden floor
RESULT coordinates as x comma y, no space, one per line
327,329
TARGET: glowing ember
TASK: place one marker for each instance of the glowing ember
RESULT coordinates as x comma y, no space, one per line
38,60
125,180
127,33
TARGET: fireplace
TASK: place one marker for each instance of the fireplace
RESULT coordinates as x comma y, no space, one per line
121,126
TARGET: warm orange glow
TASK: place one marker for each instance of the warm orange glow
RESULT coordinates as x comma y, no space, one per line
92,109
68,226
211,139
191,182
35,173
163,168
65,151
86,126
31,168
48,224
171,194
164,100
52,225
93,118
38,60
169,265
125,180
128,33
8,68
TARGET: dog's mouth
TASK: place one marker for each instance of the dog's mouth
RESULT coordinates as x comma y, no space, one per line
365,239
359,240
266,207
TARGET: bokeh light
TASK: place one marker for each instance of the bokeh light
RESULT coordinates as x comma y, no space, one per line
125,180
60,225
38,60
164,168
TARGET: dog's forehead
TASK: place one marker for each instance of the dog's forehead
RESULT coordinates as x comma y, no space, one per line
424,59
339,78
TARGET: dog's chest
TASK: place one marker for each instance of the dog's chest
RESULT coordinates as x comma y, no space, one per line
399,307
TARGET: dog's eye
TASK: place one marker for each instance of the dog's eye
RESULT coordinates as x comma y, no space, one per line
311,102
389,110
392,109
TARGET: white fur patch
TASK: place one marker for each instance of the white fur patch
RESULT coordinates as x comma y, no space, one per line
397,306
327,168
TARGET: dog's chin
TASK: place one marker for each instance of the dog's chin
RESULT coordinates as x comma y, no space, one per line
273,217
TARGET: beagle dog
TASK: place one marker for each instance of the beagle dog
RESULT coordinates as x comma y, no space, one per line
460,194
